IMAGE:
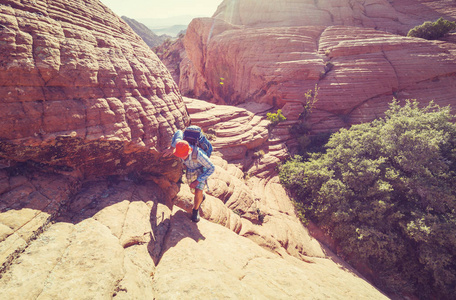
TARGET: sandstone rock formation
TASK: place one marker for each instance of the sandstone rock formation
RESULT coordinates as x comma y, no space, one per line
392,16
249,198
88,207
118,240
171,54
119,236
354,51
236,130
76,82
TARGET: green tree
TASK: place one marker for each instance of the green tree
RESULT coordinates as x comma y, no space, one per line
386,192
432,30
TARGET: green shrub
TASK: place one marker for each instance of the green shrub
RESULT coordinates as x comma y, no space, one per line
386,192
432,30
277,117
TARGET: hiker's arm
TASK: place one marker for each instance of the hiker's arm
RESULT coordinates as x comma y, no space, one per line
207,164
178,136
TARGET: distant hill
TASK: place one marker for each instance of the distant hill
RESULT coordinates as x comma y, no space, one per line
167,22
172,26
151,38
173,31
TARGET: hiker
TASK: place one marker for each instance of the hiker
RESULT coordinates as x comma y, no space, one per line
199,166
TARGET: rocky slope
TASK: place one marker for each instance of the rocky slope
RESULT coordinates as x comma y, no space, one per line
148,36
89,209
354,51
130,237
171,54
117,240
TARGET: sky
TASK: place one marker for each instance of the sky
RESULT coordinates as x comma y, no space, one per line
142,9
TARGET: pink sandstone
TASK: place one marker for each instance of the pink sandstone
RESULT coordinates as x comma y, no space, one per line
77,85
358,67
90,209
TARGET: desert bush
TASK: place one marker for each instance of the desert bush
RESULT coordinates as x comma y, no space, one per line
386,192
311,99
277,117
301,130
432,30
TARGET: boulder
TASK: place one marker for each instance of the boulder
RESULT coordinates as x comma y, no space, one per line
233,130
80,91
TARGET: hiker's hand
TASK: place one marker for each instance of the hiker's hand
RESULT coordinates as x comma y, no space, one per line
168,152
194,184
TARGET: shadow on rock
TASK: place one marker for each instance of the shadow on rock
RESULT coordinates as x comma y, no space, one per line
180,227
136,213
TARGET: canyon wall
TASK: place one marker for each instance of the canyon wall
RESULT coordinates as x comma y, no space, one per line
354,52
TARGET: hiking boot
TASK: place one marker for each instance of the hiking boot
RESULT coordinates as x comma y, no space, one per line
195,215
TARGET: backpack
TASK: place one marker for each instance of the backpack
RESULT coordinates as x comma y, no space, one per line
195,136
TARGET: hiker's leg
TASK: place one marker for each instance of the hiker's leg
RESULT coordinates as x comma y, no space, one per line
198,198
191,176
